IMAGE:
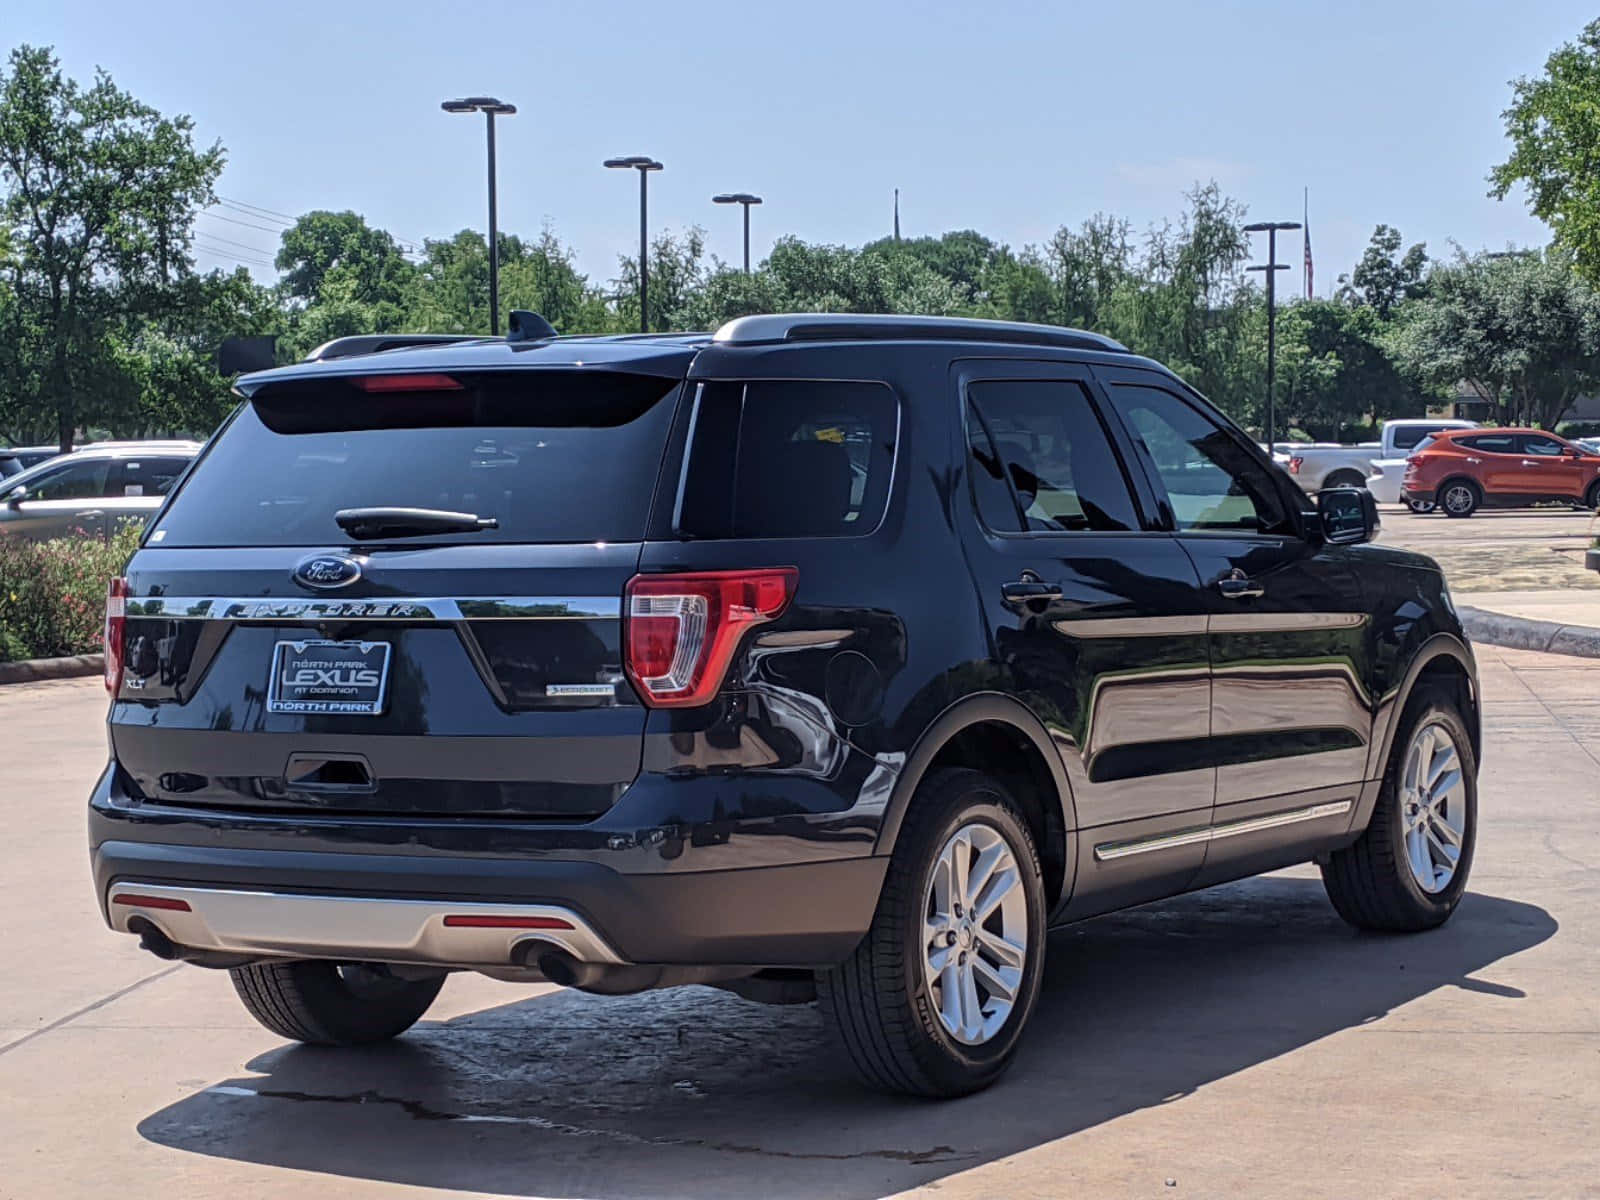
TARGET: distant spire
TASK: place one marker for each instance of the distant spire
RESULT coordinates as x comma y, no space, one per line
1307,236
897,214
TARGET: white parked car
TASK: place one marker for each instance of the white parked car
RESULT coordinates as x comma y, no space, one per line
1387,475
1321,465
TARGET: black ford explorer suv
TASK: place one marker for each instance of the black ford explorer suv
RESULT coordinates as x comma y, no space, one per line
841,653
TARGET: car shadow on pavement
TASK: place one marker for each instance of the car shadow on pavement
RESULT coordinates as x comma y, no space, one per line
696,1092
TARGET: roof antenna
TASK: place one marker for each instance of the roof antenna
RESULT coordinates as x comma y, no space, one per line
529,327
897,214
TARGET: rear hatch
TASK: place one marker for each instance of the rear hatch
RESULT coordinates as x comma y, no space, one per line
280,656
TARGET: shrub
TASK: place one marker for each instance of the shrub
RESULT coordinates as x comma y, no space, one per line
53,594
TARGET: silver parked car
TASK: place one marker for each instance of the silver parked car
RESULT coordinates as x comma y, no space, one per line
93,490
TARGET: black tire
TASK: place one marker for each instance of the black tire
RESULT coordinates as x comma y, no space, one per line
1467,505
878,1001
333,1004
1370,884
1591,498
1341,479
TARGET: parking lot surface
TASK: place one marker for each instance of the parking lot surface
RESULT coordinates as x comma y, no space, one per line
1240,1041
1500,550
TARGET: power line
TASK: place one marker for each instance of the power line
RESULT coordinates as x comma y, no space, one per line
234,221
221,252
265,212
216,237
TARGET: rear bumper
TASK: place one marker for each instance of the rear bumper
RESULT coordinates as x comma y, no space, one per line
279,924
291,888
1420,495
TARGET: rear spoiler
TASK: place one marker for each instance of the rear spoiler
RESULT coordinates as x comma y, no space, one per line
376,343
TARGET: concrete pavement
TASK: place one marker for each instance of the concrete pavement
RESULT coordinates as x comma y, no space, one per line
1239,1042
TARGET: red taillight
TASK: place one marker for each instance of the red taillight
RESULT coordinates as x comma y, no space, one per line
682,630
137,901
116,601
469,921
1414,461
407,383
1295,463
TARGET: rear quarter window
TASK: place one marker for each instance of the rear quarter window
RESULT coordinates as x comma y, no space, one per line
788,458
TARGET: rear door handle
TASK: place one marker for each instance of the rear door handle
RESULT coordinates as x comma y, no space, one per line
1021,591
1239,586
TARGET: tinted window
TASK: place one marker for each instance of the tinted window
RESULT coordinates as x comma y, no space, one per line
554,456
1406,437
788,458
1039,446
76,481
1544,447
1211,480
148,476
1492,443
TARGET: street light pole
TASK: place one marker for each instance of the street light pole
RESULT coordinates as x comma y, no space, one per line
745,199
1272,267
643,164
490,108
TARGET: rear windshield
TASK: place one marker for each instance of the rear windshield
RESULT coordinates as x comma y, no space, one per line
553,456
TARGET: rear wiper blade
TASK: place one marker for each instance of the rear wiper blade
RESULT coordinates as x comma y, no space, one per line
369,524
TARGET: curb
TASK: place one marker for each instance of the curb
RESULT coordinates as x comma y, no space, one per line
1525,633
31,670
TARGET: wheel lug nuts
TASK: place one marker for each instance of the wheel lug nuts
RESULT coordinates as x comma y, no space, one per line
950,939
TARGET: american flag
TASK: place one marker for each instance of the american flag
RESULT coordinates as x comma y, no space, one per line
1308,242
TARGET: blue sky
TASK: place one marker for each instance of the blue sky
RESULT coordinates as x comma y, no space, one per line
1009,117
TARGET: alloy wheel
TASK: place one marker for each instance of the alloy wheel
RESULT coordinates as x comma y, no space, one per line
975,933
1458,498
1433,807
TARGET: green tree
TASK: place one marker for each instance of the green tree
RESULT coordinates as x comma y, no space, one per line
323,242
1384,276
1554,127
1522,330
100,193
1334,372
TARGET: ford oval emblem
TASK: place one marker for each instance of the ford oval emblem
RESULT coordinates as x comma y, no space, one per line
324,571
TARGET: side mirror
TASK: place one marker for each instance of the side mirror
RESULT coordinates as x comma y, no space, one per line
1347,516
16,496
1572,452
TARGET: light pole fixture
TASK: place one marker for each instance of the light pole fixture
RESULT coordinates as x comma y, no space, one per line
1272,267
490,108
746,200
643,164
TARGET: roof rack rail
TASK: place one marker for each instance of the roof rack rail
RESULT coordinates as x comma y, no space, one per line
813,327
376,343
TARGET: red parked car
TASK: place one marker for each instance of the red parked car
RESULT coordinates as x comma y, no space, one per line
1463,470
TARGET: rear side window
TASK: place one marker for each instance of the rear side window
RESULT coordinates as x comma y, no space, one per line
148,476
1408,437
1492,443
788,458
553,456
1045,437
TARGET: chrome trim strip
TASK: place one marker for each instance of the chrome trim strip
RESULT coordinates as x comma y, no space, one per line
1109,851
399,608
1284,622
1132,627
350,927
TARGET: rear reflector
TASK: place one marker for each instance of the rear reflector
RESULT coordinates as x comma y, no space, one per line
407,383
116,620
134,900
469,921
683,630
1295,464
